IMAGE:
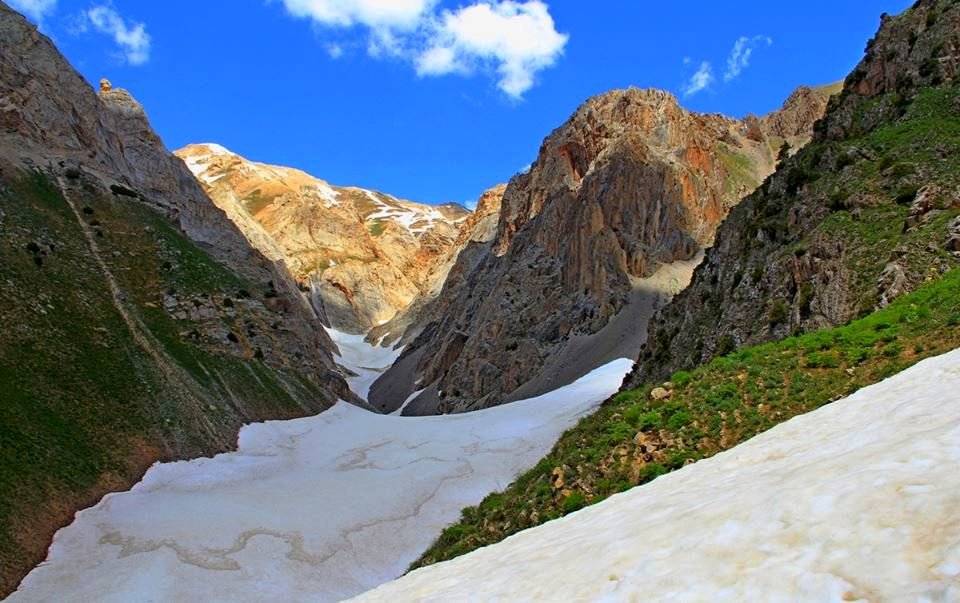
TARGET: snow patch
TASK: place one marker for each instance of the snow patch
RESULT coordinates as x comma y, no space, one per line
859,500
367,361
315,509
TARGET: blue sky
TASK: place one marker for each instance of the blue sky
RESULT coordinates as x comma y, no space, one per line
433,100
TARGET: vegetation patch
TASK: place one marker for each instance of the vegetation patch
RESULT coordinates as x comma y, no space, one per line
635,437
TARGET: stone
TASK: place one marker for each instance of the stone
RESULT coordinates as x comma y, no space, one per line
659,394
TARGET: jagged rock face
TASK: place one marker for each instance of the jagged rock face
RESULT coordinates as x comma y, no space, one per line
794,121
365,255
858,217
630,183
476,232
49,114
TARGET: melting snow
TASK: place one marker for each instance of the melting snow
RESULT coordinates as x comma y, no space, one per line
416,219
859,500
369,362
316,509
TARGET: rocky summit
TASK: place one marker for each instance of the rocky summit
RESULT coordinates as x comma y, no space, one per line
363,255
630,184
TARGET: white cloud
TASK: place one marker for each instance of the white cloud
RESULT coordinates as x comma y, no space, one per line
512,39
35,9
376,14
700,80
131,37
740,55
516,39
335,51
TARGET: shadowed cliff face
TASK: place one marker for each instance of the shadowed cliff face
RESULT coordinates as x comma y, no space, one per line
864,213
630,183
136,322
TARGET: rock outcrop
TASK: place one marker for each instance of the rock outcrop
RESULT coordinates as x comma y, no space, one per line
363,255
137,323
630,184
855,219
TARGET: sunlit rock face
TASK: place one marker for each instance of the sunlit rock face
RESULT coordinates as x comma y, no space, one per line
367,255
631,183
857,501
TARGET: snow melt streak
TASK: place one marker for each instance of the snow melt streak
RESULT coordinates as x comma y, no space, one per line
859,500
316,509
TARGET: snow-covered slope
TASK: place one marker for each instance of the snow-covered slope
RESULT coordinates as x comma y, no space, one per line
317,509
857,501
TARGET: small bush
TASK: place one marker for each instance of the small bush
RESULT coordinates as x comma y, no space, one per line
680,378
574,502
779,313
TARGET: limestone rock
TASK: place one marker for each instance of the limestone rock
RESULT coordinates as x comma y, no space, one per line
630,184
364,255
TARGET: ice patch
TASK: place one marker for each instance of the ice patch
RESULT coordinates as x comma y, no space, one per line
367,361
316,509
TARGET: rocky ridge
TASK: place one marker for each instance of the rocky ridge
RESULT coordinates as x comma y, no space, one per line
631,183
363,255
138,323
863,214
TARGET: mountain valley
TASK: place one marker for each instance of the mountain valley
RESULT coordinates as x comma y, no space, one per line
682,355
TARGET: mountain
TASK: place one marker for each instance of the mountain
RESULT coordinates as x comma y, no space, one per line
858,217
865,213
363,255
631,184
136,322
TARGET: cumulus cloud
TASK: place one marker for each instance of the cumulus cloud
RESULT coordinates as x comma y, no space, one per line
386,14
516,39
335,51
512,39
740,55
700,80
35,9
131,37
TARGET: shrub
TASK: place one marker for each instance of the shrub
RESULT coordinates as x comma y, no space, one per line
778,313
725,345
679,420
680,378
843,160
574,502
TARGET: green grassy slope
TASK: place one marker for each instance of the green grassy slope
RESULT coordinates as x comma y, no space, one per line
85,407
634,438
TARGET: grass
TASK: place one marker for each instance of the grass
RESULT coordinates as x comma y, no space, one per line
84,409
633,439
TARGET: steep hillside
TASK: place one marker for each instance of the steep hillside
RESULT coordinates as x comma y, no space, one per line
863,214
364,255
136,322
855,501
839,193
641,434
631,183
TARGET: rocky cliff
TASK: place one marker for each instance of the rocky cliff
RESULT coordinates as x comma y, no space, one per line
364,255
630,184
864,213
136,322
